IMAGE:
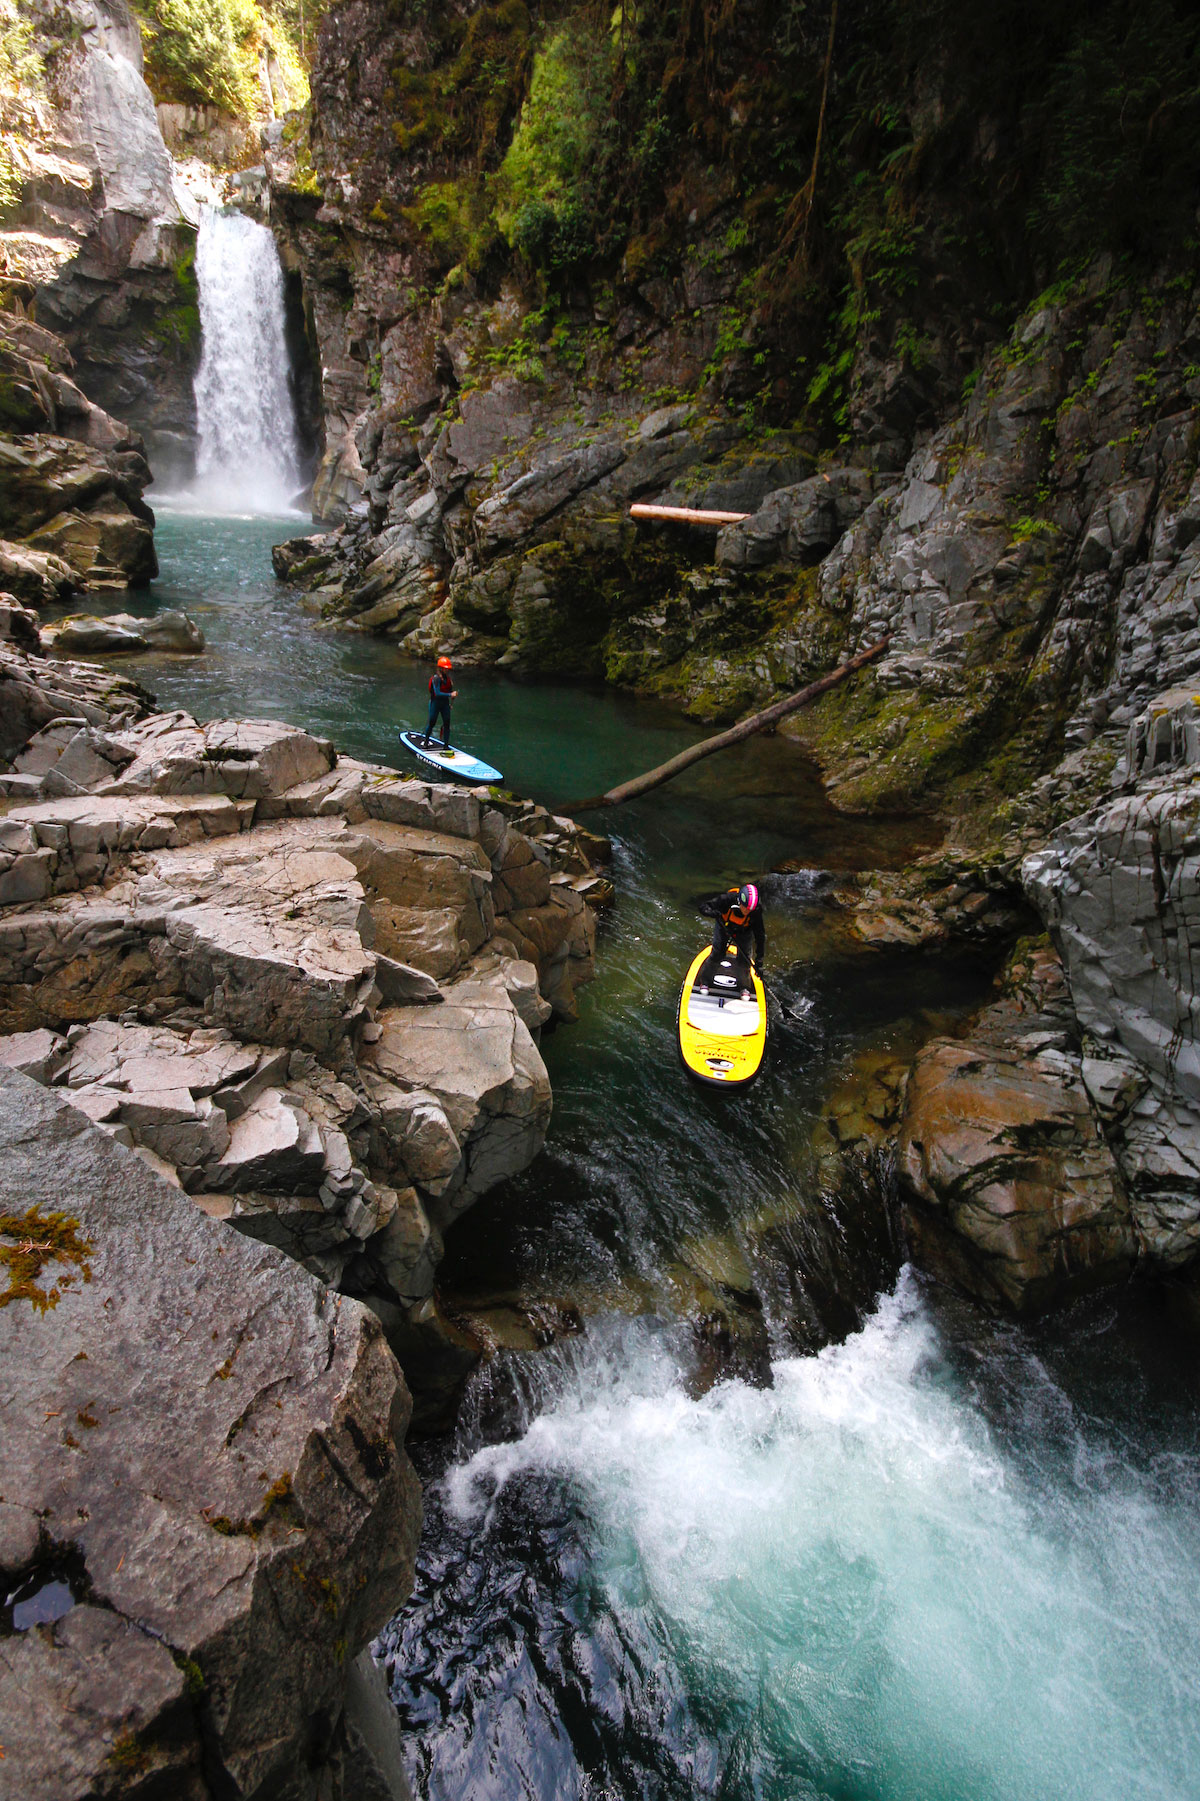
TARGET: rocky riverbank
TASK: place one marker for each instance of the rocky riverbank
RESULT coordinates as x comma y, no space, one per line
1050,1145
307,989
72,516
271,1022
207,1508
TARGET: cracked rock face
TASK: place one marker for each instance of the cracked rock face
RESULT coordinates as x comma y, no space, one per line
301,989
1118,888
208,1442
474,1054
1012,1189
35,691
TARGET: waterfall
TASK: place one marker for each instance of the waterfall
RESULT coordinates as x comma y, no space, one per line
248,459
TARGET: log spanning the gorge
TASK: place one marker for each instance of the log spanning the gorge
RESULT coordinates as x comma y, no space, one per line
758,722
685,515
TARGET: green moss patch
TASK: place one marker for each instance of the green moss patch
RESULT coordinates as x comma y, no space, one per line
33,1244
278,1504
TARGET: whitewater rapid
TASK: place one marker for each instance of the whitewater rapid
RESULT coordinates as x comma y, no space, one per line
857,1585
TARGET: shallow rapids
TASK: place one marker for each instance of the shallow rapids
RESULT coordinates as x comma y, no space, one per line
901,1573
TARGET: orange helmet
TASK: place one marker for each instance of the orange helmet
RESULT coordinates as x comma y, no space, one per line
445,663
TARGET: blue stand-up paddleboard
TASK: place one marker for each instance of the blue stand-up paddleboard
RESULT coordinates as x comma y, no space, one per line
458,763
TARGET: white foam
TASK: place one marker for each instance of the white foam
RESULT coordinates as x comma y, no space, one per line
855,1565
248,458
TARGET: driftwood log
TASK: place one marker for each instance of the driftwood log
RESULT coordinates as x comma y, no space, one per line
685,515
758,722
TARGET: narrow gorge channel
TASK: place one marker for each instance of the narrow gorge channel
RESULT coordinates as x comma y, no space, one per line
939,1558
413,1387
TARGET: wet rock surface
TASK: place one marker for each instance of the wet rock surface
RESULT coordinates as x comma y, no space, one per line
1056,1146
205,1446
1052,1145
1117,887
304,990
1013,1190
120,634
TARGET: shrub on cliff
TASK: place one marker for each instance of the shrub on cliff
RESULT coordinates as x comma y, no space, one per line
546,203
208,52
20,72
192,51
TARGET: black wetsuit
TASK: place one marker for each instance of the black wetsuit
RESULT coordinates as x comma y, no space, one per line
441,687
749,941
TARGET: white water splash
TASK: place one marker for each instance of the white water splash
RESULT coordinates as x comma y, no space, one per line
248,459
872,1589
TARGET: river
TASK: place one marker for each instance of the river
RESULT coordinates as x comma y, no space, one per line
944,1558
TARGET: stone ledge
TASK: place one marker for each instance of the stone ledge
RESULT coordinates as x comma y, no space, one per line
211,1440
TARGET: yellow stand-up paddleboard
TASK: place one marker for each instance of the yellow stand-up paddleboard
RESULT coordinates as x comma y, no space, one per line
722,1022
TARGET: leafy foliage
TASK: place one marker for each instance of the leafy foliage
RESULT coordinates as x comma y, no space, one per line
1120,121
464,101
547,198
926,160
208,51
19,79
192,50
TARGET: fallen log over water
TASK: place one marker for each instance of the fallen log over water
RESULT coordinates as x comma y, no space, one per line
686,515
758,722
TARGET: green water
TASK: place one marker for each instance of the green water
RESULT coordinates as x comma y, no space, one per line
643,1178
268,658
946,1560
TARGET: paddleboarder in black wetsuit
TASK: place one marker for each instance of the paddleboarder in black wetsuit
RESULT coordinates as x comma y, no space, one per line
738,921
441,692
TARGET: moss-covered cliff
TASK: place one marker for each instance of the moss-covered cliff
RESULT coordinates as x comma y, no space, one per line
915,289
894,183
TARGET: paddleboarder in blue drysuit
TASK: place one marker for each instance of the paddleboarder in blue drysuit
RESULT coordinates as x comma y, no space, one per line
441,692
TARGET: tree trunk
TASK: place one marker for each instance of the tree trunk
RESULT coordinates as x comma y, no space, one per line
685,515
642,784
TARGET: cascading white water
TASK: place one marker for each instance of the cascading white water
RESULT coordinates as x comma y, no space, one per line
248,459
870,1592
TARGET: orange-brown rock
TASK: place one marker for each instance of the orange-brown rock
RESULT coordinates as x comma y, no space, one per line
1011,1190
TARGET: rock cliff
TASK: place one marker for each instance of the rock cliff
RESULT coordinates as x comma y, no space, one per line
96,236
495,398
308,992
72,515
1056,1145
207,1510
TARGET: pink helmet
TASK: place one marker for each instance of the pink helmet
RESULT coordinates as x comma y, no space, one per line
748,897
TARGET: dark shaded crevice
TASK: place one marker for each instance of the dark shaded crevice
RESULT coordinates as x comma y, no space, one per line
45,1589
340,1471
304,375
